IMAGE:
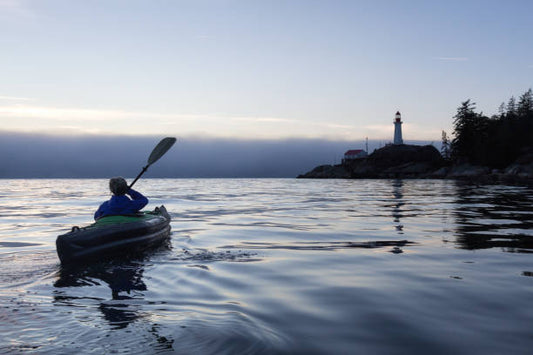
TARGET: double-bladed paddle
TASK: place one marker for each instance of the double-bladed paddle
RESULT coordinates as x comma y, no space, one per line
160,149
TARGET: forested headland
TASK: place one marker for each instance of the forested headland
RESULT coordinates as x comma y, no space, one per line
484,148
496,141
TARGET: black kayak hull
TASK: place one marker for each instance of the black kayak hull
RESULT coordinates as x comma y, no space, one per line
115,239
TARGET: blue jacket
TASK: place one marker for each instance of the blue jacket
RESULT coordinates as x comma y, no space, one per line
122,205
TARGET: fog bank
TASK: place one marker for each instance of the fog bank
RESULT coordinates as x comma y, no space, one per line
45,156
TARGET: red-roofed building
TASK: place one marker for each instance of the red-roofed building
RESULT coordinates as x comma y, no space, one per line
355,154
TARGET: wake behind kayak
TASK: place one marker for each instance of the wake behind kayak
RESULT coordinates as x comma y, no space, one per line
114,236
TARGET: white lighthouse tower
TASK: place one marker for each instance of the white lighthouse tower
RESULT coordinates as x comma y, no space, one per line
398,129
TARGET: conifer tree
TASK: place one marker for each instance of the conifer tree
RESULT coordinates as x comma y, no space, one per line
511,107
471,136
495,142
525,104
501,110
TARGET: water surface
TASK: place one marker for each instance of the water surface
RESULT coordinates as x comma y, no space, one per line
276,266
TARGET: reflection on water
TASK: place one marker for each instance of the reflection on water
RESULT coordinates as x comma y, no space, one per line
324,246
123,278
494,217
276,266
397,192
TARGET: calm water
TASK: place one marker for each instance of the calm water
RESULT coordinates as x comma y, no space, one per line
276,266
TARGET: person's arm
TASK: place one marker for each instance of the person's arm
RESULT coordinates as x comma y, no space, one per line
138,200
99,212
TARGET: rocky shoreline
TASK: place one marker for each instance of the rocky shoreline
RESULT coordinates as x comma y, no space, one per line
422,162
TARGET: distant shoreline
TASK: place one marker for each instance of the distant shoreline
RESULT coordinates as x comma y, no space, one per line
422,162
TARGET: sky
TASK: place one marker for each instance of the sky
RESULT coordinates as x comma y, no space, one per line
258,69
306,71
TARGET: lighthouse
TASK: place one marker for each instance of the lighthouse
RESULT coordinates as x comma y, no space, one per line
398,129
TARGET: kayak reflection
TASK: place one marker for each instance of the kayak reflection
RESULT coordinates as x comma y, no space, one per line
123,277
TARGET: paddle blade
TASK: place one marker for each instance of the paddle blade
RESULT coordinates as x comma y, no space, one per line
161,149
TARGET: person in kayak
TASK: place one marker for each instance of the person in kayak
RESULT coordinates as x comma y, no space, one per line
119,203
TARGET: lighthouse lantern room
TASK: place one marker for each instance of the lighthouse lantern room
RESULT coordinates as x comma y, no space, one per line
398,129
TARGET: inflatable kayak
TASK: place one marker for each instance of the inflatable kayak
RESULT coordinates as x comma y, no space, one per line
114,236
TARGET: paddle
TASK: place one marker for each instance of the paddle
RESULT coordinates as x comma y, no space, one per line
160,149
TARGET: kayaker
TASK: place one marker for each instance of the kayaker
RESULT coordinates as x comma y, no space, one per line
119,203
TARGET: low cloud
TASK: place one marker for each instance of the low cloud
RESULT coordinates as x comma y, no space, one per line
14,98
29,118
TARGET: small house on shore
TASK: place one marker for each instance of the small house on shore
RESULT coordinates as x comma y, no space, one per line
354,154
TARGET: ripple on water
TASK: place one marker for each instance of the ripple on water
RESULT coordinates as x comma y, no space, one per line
276,266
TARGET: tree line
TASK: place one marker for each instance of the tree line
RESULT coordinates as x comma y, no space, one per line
494,141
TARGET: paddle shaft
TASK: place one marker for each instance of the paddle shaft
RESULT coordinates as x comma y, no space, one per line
160,149
138,176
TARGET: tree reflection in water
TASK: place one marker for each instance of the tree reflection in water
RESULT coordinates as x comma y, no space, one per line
494,216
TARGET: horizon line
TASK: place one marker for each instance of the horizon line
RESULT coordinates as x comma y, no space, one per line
195,136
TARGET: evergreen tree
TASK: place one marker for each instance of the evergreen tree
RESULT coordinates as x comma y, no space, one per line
470,131
495,142
525,105
462,129
501,110
511,107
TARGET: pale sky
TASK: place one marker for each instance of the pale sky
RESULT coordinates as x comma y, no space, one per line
258,69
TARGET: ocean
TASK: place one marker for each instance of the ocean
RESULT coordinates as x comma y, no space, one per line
275,266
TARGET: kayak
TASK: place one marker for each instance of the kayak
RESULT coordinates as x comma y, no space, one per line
114,236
